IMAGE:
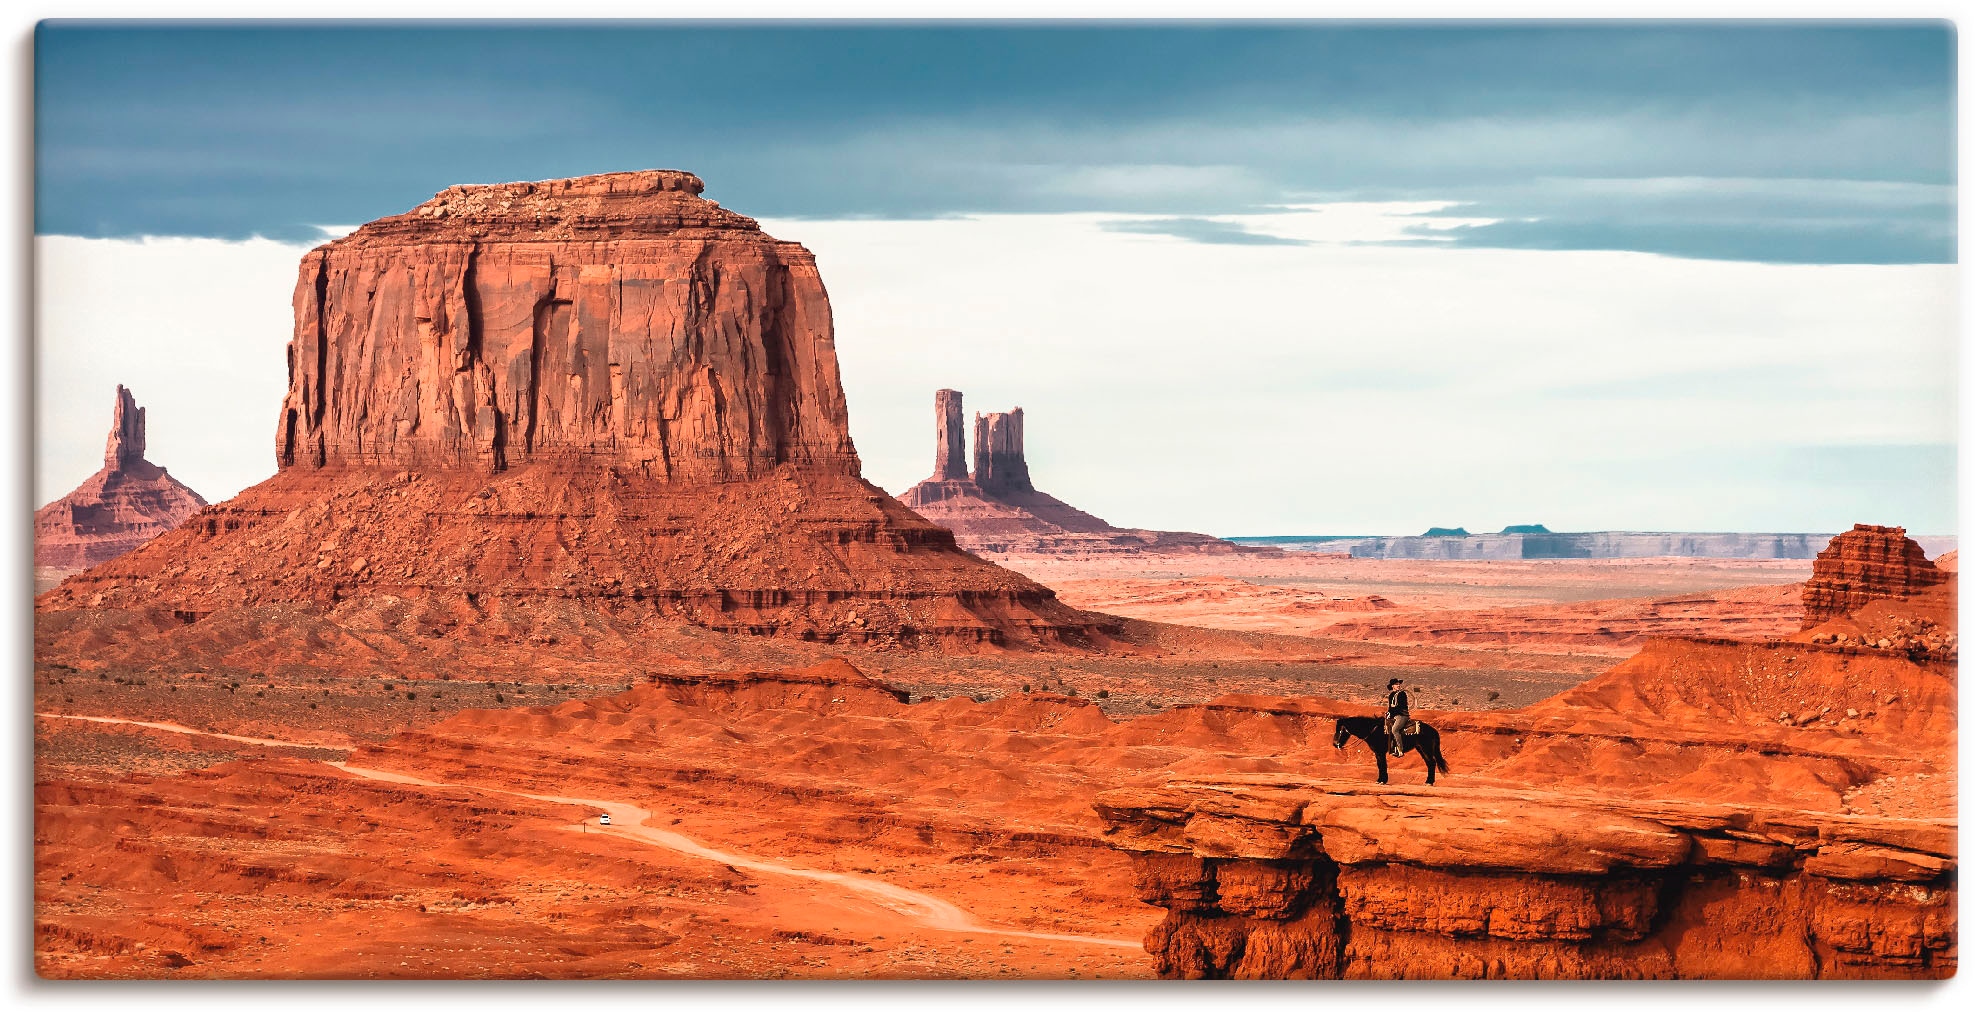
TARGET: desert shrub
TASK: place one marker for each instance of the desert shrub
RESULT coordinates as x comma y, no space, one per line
498,697
1101,694
412,695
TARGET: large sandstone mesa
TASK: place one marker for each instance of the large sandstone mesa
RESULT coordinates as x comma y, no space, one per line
604,390
125,504
1865,564
618,318
996,510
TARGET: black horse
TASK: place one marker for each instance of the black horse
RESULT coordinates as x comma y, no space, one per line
1374,731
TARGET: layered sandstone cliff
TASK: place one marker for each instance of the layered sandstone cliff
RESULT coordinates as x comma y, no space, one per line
1865,564
996,510
613,319
1278,876
604,390
123,505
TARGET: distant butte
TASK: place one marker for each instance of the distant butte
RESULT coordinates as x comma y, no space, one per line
998,511
126,503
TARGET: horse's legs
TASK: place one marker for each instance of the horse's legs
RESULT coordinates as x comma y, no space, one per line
1382,764
1429,762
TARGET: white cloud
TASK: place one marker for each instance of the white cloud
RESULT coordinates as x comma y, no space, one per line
1236,389
195,327
1342,388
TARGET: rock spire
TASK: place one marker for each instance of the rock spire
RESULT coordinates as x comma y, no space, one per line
126,444
126,503
1000,463
950,462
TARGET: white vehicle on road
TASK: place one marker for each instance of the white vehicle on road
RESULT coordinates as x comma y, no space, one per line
605,819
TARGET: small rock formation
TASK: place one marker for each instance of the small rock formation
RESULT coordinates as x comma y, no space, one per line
1865,564
997,511
1446,532
125,504
1526,529
567,401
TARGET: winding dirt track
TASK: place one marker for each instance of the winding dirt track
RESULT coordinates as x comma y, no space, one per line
629,822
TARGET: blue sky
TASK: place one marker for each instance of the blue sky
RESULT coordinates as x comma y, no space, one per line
1365,278
1822,144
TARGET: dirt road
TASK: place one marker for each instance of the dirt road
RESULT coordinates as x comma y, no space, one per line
629,822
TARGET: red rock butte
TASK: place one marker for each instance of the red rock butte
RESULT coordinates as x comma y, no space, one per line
996,510
606,390
126,503
614,319
1867,563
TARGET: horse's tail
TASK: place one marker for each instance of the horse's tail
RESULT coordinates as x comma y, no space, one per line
1437,755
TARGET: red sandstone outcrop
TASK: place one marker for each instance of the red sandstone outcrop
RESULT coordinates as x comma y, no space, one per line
1862,565
619,318
1281,876
125,504
604,390
997,511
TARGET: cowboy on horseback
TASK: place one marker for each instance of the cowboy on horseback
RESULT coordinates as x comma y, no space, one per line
1398,716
